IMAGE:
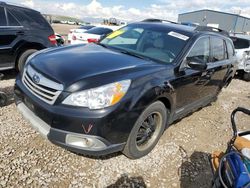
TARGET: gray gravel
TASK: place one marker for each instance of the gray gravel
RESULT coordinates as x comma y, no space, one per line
179,159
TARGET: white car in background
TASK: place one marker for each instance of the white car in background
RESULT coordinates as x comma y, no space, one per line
81,29
71,23
92,35
242,49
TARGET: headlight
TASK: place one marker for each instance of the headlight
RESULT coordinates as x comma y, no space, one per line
99,97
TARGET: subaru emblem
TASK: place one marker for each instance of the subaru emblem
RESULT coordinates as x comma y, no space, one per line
36,78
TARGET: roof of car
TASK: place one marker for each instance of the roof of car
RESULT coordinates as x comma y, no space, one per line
188,30
16,5
168,26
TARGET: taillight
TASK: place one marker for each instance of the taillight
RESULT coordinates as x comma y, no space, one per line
92,40
73,37
52,39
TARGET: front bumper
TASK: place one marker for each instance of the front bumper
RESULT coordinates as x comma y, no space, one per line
79,143
90,132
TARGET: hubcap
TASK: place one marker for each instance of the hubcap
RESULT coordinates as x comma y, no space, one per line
148,131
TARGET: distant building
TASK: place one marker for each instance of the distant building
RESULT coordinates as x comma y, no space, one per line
226,21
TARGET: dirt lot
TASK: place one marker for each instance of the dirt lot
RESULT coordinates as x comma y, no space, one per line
179,159
63,29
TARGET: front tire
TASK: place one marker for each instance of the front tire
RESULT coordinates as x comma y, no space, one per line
147,131
23,57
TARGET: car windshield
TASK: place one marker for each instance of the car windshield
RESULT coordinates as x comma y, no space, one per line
155,43
99,31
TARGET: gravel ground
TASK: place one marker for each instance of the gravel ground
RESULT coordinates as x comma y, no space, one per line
178,160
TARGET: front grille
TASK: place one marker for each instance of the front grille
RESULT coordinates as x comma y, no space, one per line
42,87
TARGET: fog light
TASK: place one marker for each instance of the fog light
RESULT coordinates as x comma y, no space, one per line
84,142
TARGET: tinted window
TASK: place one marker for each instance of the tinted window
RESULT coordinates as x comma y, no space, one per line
240,43
30,18
87,27
200,51
230,49
3,21
12,20
99,31
218,49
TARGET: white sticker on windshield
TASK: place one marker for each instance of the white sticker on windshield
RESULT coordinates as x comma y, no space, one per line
178,35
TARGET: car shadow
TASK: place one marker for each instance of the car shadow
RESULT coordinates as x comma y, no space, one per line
104,157
125,181
190,114
8,91
195,171
9,74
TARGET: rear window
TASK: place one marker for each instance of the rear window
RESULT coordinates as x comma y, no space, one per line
3,21
240,43
99,31
30,18
87,27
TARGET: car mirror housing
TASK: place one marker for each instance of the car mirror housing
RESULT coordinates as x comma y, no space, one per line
197,64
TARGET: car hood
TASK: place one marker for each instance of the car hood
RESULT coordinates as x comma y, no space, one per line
92,63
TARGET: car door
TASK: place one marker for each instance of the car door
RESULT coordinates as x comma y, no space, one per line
217,67
189,83
9,34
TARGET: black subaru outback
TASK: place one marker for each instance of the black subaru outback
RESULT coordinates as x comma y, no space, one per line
122,93
23,31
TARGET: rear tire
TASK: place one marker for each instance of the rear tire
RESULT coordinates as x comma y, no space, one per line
142,140
246,76
23,57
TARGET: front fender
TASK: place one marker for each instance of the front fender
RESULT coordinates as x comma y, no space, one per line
150,93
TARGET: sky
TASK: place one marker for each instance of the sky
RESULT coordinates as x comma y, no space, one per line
133,10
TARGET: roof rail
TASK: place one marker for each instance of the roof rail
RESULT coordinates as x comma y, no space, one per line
158,20
2,3
211,29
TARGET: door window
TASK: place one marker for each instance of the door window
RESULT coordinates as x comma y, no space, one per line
200,51
230,49
12,20
218,49
3,21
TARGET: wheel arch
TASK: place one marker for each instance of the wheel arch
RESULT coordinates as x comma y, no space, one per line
21,49
162,94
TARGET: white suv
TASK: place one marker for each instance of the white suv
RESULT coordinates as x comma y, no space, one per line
242,49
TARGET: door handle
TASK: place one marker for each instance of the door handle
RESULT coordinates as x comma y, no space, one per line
20,32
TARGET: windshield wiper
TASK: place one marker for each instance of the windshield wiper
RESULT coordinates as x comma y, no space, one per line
103,45
124,51
134,54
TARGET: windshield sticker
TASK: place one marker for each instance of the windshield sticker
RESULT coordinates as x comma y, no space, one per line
178,35
115,34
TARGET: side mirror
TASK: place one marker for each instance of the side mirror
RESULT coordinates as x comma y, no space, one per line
197,64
